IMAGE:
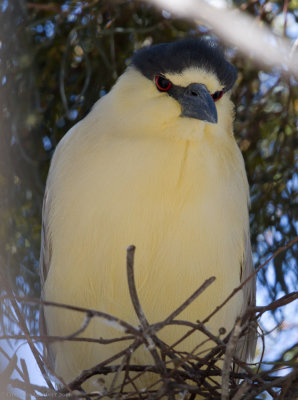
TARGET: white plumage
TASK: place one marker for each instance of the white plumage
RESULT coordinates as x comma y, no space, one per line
134,171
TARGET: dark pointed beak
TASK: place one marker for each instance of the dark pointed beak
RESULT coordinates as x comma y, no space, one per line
196,102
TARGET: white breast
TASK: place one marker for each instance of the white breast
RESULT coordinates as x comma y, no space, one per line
182,203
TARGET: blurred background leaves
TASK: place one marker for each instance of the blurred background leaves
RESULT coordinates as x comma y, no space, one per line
58,58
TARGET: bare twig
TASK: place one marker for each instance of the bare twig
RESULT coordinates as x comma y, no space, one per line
147,333
132,287
283,301
26,378
251,276
76,383
51,339
244,387
230,349
94,313
187,302
124,362
24,328
238,29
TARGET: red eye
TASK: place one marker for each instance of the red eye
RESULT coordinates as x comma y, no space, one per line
162,83
217,95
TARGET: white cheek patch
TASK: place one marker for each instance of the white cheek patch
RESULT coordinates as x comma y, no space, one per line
195,75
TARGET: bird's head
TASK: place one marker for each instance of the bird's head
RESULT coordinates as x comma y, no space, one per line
177,87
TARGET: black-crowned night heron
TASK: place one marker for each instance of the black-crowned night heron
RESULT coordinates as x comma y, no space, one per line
154,164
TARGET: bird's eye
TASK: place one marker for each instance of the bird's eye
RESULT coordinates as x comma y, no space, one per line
217,95
162,83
